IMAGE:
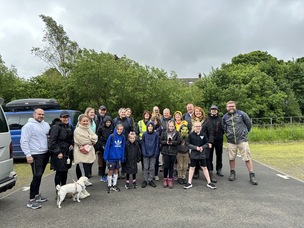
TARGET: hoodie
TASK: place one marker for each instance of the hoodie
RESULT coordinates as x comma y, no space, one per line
115,148
150,145
104,132
34,137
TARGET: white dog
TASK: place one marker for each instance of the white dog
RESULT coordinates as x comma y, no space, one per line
77,189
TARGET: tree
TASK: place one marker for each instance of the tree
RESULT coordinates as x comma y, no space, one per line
59,51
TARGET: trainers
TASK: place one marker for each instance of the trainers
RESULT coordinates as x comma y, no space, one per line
219,173
144,184
104,179
134,184
115,188
253,181
33,204
40,199
211,185
184,181
180,181
187,186
232,175
89,184
196,176
152,184
108,189
127,186
156,178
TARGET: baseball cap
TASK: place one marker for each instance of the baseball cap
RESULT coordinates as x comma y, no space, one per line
102,107
64,113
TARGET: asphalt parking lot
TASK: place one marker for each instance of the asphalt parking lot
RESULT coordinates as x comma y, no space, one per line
278,201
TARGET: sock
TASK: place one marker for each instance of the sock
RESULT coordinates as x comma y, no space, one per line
127,181
115,179
109,181
134,180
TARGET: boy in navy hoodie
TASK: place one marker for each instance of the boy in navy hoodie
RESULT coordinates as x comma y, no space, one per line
150,151
114,154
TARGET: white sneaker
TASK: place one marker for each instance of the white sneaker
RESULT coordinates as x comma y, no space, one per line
156,178
89,184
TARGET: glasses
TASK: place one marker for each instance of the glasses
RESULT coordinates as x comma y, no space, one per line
65,117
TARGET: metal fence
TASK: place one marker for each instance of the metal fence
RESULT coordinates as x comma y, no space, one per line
278,128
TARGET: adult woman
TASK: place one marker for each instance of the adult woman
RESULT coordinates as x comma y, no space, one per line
198,115
84,152
61,147
90,112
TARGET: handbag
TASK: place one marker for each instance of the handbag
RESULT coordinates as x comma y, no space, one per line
85,149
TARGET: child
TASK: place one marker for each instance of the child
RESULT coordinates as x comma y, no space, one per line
169,141
150,151
182,155
198,143
103,133
132,157
158,129
113,154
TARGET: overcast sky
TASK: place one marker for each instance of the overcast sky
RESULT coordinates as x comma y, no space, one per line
183,36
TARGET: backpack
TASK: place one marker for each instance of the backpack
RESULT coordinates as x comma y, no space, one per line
240,114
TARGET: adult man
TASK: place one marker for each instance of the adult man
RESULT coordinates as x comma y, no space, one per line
102,113
216,125
34,144
166,117
155,112
236,125
100,117
187,116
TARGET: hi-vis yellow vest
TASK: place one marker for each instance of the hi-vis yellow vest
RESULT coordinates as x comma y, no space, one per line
142,128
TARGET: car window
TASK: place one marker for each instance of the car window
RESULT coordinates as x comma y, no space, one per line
3,125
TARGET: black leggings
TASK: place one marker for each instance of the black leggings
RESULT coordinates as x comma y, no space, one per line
133,176
169,161
87,167
61,178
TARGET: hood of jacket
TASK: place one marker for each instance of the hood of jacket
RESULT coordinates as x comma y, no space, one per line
107,118
152,123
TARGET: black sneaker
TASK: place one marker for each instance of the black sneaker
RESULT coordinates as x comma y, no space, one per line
33,204
180,181
211,185
219,173
187,186
108,189
144,184
115,188
253,181
184,181
40,199
127,186
196,176
152,184
134,185
232,175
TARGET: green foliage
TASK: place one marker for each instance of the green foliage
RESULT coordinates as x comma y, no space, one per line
59,51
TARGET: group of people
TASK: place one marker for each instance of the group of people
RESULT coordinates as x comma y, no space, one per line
172,143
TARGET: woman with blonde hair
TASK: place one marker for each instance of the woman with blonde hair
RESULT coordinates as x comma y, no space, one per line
84,152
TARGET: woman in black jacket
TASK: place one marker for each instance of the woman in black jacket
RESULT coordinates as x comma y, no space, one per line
61,147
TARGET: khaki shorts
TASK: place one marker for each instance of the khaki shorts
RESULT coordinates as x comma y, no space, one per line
243,148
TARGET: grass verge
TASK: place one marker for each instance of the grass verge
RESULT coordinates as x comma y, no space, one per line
287,157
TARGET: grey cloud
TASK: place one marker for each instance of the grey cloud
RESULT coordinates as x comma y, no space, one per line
185,36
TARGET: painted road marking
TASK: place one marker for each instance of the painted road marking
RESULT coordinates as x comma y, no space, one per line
283,176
